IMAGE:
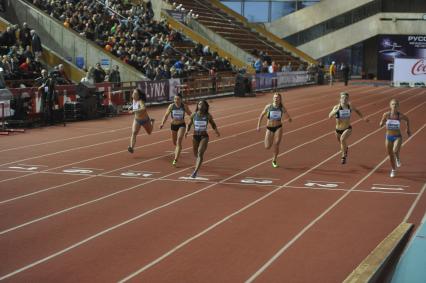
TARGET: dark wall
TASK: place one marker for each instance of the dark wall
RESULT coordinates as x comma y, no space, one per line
402,6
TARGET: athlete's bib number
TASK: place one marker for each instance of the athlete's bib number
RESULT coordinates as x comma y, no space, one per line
177,114
200,126
393,124
344,114
136,105
275,115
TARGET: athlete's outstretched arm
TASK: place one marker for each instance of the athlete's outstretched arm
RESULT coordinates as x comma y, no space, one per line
287,114
359,113
187,110
212,122
382,122
166,115
188,127
333,111
407,121
261,117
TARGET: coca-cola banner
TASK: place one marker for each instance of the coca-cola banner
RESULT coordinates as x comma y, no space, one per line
409,70
398,46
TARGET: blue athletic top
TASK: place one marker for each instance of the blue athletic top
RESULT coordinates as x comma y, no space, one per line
343,113
200,123
178,113
275,113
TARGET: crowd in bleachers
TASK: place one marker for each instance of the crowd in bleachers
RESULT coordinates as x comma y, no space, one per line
131,33
20,51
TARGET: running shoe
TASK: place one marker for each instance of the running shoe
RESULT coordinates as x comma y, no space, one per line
274,164
398,162
194,175
393,173
343,160
174,162
130,149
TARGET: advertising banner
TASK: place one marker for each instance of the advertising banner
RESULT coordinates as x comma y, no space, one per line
409,70
398,46
155,91
291,78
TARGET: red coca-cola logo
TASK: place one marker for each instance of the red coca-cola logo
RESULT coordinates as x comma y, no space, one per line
419,68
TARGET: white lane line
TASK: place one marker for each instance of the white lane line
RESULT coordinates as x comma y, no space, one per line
359,190
387,185
32,165
327,182
387,189
325,212
265,178
416,201
97,169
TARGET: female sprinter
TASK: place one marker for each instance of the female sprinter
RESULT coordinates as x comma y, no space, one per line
178,110
200,118
141,117
393,139
274,113
342,112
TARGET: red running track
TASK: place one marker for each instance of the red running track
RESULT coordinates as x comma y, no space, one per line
75,206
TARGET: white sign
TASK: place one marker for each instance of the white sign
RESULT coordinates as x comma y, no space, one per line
32,168
311,184
409,70
253,181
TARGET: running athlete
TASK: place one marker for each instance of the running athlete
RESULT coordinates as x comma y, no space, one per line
274,113
200,118
392,119
141,117
178,110
342,112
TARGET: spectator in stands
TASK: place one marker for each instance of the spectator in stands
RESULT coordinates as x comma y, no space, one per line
25,36
36,44
63,75
28,53
332,72
98,74
345,73
258,66
48,97
88,79
114,76
287,68
9,37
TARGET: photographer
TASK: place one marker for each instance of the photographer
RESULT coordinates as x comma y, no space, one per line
48,96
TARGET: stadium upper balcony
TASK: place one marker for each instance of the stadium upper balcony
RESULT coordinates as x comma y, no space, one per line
233,28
